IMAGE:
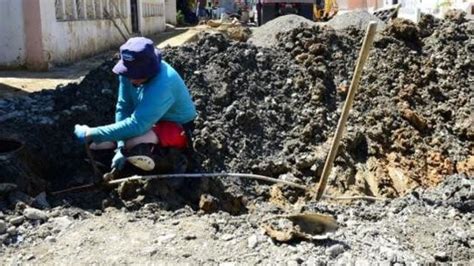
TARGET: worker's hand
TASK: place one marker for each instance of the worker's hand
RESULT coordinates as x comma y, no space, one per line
82,133
118,162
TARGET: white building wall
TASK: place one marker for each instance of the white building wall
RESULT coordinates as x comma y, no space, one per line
12,37
82,31
412,9
439,7
152,16
170,11
409,9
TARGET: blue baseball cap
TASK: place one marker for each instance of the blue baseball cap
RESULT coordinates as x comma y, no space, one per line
139,59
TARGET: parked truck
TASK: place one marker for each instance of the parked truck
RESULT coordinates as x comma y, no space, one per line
318,10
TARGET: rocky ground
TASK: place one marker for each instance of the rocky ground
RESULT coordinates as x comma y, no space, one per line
269,111
423,226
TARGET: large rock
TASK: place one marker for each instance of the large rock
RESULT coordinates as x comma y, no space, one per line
335,250
17,220
35,214
3,227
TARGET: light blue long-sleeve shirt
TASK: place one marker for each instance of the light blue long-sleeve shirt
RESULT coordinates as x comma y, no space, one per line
164,97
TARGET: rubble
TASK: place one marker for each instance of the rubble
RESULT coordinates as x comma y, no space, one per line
424,226
35,214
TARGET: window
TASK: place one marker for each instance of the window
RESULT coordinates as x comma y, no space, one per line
67,10
105,8
98,9
59,6
90,9
80,8
153,9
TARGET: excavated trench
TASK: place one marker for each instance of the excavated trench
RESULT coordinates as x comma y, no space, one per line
9,146
272,111
18,169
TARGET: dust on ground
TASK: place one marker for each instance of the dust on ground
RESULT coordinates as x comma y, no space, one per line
424,226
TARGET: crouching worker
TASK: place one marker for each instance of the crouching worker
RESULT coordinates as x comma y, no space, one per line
153,118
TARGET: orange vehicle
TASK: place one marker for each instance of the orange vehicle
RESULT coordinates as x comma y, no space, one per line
324,10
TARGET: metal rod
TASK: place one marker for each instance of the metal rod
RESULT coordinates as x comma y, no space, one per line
71,189
96,170
201,175
364,52
353,198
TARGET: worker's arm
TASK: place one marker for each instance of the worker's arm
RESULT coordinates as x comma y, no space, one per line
155,103
124,107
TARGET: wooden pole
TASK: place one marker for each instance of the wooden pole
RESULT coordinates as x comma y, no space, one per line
364,52
96,170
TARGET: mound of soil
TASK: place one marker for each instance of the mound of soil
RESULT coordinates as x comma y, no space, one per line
273,111
411,113
266,35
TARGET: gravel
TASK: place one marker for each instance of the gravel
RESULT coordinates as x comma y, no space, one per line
265,35
357,19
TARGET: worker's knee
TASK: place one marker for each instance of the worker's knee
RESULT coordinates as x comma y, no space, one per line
149,137
107,145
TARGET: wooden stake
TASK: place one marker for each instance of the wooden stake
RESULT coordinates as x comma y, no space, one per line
364,52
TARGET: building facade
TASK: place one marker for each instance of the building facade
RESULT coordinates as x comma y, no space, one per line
38,33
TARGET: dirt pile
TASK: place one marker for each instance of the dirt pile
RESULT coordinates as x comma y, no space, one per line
249,104
266,35
357,19
273,111
270,114
411,115
45,122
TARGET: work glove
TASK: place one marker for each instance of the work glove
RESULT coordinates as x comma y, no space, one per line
118,162
81,133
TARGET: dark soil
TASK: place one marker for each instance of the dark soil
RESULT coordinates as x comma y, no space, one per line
267,111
